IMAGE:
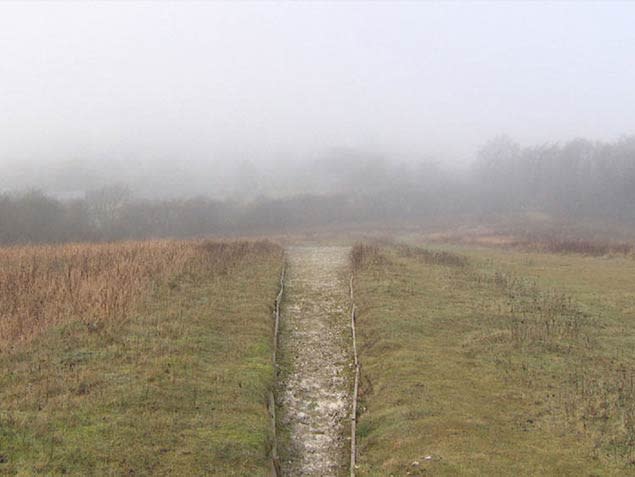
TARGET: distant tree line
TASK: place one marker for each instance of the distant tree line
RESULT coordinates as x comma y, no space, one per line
579,179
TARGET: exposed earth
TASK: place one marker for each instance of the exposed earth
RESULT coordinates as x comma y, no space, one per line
315,364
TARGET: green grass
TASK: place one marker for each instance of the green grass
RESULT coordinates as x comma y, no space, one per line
179,388
601,283
462,376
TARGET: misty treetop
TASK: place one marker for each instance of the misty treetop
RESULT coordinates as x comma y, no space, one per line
578,179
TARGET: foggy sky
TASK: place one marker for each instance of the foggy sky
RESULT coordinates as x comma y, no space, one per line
254,80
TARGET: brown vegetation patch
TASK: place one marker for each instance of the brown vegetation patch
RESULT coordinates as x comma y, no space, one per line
538,242
45,285
434,257
364,255
593,248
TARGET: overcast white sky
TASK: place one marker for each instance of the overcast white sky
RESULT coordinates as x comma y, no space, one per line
86,79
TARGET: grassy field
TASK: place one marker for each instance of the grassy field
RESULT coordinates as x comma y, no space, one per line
148,358
482,361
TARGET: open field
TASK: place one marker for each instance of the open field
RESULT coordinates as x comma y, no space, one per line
154,358
146,358
317,238
482,361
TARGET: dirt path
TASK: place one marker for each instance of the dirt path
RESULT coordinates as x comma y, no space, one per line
315,380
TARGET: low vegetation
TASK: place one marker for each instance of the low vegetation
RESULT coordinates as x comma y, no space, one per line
490,362
593,248
148,358
546,241
48,285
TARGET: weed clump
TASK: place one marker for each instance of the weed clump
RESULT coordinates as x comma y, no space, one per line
537,316
433,257
364,255
591,248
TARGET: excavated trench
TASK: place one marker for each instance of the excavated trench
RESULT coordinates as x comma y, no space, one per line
315,364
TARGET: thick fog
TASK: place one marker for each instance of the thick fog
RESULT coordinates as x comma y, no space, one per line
201,93
136,119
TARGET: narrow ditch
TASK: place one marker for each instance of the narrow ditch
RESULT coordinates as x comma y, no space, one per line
315,364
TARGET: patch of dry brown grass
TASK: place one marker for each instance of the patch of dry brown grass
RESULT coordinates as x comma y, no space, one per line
535,242
42,286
